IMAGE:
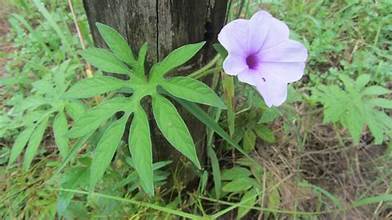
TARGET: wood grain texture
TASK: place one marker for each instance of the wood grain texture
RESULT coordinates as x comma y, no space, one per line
165,25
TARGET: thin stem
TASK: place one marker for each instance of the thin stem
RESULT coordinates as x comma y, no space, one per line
135,202
205,68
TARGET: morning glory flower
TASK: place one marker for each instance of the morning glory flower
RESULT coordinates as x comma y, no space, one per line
261,54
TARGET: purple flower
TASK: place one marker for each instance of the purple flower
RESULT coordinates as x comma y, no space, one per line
261,54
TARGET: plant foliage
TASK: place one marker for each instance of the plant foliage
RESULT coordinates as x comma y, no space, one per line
126,99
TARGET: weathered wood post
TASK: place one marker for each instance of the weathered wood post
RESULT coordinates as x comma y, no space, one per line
165,25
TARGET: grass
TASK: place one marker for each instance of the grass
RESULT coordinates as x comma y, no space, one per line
309,170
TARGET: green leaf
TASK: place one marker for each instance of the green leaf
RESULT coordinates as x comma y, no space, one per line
248,200
216,173
116,43
176,58
209,122
105,61
43,86
79,144
317,189
63,34
347,81
372,200
141,149
75,109
265,134
274,198
236,172
354,121
95,86
34,142
220,49
334,100
362,80
60,129
93,118
20,143
239,185
173,128
375,126
139,71
105,150
376,90
249,140
383,103
70,180
192,90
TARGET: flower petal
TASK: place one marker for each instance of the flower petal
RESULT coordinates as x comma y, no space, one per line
233,64
286,72
259,26
273,91
287,51
249,76
278,32
234,37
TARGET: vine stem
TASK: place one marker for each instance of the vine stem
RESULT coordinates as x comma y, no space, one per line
200,72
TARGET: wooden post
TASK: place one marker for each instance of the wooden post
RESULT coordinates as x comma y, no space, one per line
165,25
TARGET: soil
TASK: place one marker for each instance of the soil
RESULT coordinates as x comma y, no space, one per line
5,47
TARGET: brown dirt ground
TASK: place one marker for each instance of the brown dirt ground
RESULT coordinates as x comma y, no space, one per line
5,47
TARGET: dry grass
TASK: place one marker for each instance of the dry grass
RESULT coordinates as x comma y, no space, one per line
323,156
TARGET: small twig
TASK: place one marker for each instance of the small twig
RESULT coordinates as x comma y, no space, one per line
89,72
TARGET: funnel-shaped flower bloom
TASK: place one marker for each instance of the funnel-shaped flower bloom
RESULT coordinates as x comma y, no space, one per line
261,54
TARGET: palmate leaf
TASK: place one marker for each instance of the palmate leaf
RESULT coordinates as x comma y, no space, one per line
141,149
105,61
176,58
168,120
106,148
116,43
95,86
93,118
355,106
192,90
173,128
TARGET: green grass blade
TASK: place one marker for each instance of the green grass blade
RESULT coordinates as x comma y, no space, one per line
372,200
209,122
